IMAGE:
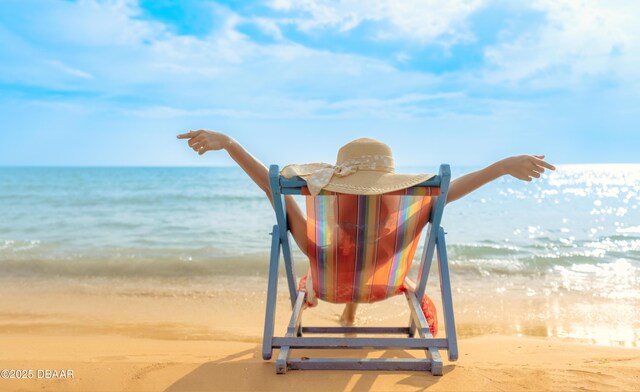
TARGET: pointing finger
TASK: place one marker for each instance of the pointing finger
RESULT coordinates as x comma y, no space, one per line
185,135
549,166
188,135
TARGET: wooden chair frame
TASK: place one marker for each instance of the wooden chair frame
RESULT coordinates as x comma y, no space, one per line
294,337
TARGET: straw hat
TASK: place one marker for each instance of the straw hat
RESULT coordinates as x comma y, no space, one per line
363,167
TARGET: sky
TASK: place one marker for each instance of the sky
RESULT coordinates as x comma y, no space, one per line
93,83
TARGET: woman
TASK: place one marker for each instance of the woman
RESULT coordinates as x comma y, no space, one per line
523,167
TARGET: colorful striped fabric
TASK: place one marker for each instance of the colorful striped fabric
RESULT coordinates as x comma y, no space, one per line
361,247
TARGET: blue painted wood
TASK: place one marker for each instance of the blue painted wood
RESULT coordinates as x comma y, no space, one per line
403,364
447,300
436,362
272,294
360,330
281,361
444,177
434,227
411,331
292,186
422,327
292,329
296,315
425,333
434,242
280,208
359,343
425,266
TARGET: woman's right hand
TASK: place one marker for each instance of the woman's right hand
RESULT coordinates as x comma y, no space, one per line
202,140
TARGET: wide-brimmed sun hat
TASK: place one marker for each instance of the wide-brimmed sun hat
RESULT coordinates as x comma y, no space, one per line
363,167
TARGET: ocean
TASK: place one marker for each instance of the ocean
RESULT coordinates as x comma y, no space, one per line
565,247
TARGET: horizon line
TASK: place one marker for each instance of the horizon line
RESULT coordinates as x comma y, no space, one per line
236,166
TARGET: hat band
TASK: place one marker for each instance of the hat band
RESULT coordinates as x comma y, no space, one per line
322,177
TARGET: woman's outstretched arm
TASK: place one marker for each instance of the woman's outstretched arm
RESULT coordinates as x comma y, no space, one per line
202,141
523,167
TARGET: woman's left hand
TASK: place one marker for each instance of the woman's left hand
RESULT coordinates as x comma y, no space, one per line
525,167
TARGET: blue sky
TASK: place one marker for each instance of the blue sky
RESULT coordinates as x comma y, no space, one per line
457,81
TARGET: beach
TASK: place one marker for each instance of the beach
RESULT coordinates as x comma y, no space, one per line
155,279
133,339
469,158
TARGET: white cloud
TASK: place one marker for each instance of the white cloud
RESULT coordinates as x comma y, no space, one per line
420,20
99,66
143,69
164,112
223,74
579,42
69,70
268,26
405,106
94,23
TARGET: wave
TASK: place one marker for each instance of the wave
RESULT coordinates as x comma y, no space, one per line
475,251
161,264
48,258
109,201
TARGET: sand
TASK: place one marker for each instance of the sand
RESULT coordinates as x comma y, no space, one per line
137,336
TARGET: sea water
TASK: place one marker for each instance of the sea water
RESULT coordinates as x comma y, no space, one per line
565,246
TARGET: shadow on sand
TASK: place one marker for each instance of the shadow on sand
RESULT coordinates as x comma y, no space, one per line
246,371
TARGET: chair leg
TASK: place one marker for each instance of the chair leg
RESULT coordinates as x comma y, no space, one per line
272,294
412,328
436,361
447,301
281,362
433,362
418,319
292,330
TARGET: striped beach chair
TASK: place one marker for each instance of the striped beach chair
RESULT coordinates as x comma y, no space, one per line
360,250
